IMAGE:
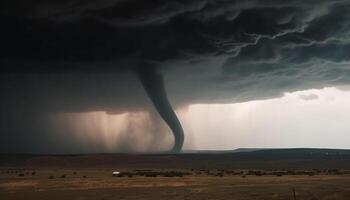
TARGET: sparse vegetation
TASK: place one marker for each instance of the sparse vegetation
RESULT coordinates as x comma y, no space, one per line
222,173
194,182
154,174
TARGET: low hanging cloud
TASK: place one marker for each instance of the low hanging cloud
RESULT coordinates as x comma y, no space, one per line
73,56
308,97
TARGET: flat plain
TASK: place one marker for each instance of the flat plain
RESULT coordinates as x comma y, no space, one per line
159,177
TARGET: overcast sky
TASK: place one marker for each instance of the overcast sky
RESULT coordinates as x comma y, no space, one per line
229,68
311,118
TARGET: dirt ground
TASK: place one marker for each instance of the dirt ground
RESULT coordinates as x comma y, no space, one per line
99,184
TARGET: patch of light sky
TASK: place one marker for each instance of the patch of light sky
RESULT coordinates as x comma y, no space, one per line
311,118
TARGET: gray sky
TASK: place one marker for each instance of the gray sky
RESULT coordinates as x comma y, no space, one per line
312,118
227,67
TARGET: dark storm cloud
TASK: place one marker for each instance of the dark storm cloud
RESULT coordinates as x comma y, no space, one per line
72,55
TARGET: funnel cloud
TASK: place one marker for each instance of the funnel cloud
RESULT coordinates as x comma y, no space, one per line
152,81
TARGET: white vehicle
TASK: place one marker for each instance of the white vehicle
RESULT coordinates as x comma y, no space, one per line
115,173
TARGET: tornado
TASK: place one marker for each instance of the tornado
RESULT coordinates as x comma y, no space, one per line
153,83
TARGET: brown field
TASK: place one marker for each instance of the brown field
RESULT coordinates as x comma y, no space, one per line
99,184
57,177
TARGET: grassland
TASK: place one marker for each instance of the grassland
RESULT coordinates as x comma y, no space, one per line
99,184
145,177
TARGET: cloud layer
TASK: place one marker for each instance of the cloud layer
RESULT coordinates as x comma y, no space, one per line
74,56
235,47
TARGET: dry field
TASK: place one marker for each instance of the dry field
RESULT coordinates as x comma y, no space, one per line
98,183
315,174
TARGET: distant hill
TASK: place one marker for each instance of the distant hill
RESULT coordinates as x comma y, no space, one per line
302,158
296,152
224,151
273,151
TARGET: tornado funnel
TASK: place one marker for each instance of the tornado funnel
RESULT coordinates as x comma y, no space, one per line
153,83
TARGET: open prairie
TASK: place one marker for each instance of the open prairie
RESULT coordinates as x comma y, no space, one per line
183,176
